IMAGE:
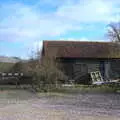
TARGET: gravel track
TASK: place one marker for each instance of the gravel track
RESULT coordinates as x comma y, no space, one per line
70,107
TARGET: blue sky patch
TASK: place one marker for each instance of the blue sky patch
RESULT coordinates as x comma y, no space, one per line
25,23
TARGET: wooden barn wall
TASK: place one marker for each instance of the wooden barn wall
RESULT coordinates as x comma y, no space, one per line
67,67
77,69
86,66
115,69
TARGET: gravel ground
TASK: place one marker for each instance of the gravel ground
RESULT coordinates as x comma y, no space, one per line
27,106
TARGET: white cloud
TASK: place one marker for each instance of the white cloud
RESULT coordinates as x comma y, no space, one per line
25,23
84,39
28,23
90,11
22,22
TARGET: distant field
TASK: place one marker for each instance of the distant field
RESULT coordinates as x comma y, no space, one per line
5,67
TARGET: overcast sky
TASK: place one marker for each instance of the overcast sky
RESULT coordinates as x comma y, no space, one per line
25,23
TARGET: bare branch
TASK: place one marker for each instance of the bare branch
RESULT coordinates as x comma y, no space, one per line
114,32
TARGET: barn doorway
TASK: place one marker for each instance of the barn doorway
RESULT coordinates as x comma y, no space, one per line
80,71
102,68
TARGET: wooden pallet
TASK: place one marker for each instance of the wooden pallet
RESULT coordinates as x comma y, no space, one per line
96,77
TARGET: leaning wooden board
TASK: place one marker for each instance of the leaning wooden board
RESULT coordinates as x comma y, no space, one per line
96,77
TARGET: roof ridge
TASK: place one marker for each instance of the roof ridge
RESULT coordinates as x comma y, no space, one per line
77,41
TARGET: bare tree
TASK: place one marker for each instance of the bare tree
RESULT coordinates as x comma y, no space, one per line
114,32
46,74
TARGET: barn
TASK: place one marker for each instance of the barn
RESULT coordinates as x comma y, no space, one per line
79,58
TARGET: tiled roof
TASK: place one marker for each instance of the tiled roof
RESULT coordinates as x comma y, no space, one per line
80,49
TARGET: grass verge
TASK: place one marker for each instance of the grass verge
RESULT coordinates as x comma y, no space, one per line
88,89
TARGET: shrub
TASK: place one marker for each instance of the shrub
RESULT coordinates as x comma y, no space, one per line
47,75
